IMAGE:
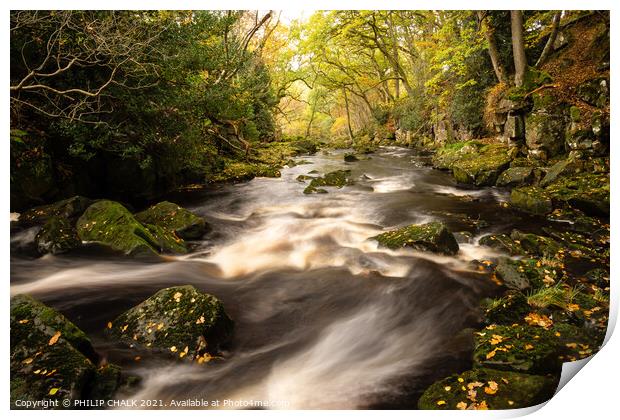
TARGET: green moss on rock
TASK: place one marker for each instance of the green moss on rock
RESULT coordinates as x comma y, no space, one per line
501,242
180,321
488,389
174,218
336,179
112,225
434,237
519,348
51,358
71,209
507,310
533,200
516,176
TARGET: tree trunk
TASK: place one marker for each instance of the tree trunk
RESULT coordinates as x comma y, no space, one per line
555,25
309,127
518,46
489,34
346,106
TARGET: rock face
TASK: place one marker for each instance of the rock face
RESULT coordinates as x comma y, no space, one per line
179,320
57,236
111,224
434,237
172,217
545,131
489,389
71,209
53,359
337,179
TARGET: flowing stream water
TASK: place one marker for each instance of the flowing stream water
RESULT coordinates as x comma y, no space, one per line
323,317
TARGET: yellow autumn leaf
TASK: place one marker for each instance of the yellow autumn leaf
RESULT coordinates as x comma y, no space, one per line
462,405
482,406
528,347
572,307
441,402
539,320
491,354
473,385
447,388
23,321
53,391
109,325
124,327
28,361
173,349
54,338
177,296
496,339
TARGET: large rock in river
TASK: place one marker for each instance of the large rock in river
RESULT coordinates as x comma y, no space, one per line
52,359
488,389
531,200
57,236
71,209
111,224
178,320
174,218
434,237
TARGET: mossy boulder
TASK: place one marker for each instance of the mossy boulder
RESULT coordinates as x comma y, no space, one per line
516,176
336,179
520,348
491,389
501,242
561,167
304,147
447,156
512,274
51,358
588,192
506,310
534,200
482,167
112,225
180,321
174,218
57,236
535,244
434,237
71,209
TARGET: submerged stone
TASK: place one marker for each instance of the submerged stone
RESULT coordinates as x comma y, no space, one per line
350,157
174,218
57,236
434,237
491,389
51,358
180,321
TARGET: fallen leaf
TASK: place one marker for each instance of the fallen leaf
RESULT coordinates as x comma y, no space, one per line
24,321
496,339
447,388
109,325
173,349
28,361
462,405
491,354
441,402
528,347
54,338
53,391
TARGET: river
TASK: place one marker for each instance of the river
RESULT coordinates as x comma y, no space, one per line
324,318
